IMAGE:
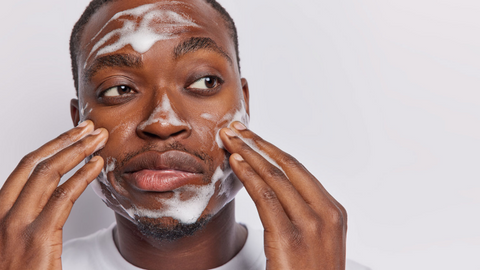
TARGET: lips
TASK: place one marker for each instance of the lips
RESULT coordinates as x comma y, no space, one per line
163,171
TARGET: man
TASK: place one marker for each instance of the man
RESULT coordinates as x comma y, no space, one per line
162,114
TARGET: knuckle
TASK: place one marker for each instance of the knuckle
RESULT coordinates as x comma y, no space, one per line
60,194
249,173
81,147
294,239
11,227
44,168
65,138
336,218
256,139
274,172
245,147
29,160
314,227
267,194
289,160
343,211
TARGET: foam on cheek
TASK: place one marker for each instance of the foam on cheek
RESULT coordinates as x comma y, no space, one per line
240,115
102,177
164,115
155,25
111,201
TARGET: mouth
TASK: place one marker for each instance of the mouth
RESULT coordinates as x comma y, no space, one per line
163,171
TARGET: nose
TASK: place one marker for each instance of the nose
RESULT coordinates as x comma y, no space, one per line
163,123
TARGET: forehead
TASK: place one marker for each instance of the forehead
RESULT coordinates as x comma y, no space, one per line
178,18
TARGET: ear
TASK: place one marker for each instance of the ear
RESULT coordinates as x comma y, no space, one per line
246,94
75,111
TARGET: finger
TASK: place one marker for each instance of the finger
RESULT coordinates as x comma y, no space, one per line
17,179
303,181
292,202
47,174
60,204
269,208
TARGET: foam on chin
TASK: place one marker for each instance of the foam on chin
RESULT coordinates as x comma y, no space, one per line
186,211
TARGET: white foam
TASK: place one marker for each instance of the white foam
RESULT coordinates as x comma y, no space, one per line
110,164
185,211
208,117
164,115
240,115
143,26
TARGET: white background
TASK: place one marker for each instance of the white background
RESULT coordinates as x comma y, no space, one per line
379,99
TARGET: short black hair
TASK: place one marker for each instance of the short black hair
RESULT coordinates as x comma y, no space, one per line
96,4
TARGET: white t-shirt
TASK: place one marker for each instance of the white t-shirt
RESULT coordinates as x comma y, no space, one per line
98,252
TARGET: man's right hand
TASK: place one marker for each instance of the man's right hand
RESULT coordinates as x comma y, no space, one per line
34,209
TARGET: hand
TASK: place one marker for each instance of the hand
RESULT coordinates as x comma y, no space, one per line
305,227
33,208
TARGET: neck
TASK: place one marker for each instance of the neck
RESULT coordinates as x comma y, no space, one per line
216,244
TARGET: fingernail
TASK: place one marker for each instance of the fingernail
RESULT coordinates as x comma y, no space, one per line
82,124
239,126
96,132
237,157
94,159
230,133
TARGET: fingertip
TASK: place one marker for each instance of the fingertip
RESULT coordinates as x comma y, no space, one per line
229,132
96,162
239,126
95,159
237,157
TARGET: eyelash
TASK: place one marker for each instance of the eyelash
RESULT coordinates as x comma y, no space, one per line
117,99
196,91
209,91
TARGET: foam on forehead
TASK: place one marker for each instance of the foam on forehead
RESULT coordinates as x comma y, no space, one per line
142,27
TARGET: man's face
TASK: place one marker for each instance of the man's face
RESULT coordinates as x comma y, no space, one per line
162,78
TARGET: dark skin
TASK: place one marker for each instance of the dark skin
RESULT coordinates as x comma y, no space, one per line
305,227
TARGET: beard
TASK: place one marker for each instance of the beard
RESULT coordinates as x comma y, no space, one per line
169,230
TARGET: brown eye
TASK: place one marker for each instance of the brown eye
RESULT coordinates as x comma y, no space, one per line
205,83
117,91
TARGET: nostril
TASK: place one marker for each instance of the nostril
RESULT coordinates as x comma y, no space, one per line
177,133
163,122
163,135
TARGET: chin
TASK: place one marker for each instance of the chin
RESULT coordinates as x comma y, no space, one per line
169,229
176,216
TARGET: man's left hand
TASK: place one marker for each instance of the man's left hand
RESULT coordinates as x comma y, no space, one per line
304,226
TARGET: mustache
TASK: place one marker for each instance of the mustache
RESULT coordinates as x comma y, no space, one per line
204,157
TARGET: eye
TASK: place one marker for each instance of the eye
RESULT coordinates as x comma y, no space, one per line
208,82
117,91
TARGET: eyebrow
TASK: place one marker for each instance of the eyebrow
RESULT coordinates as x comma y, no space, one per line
198,43
113,60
